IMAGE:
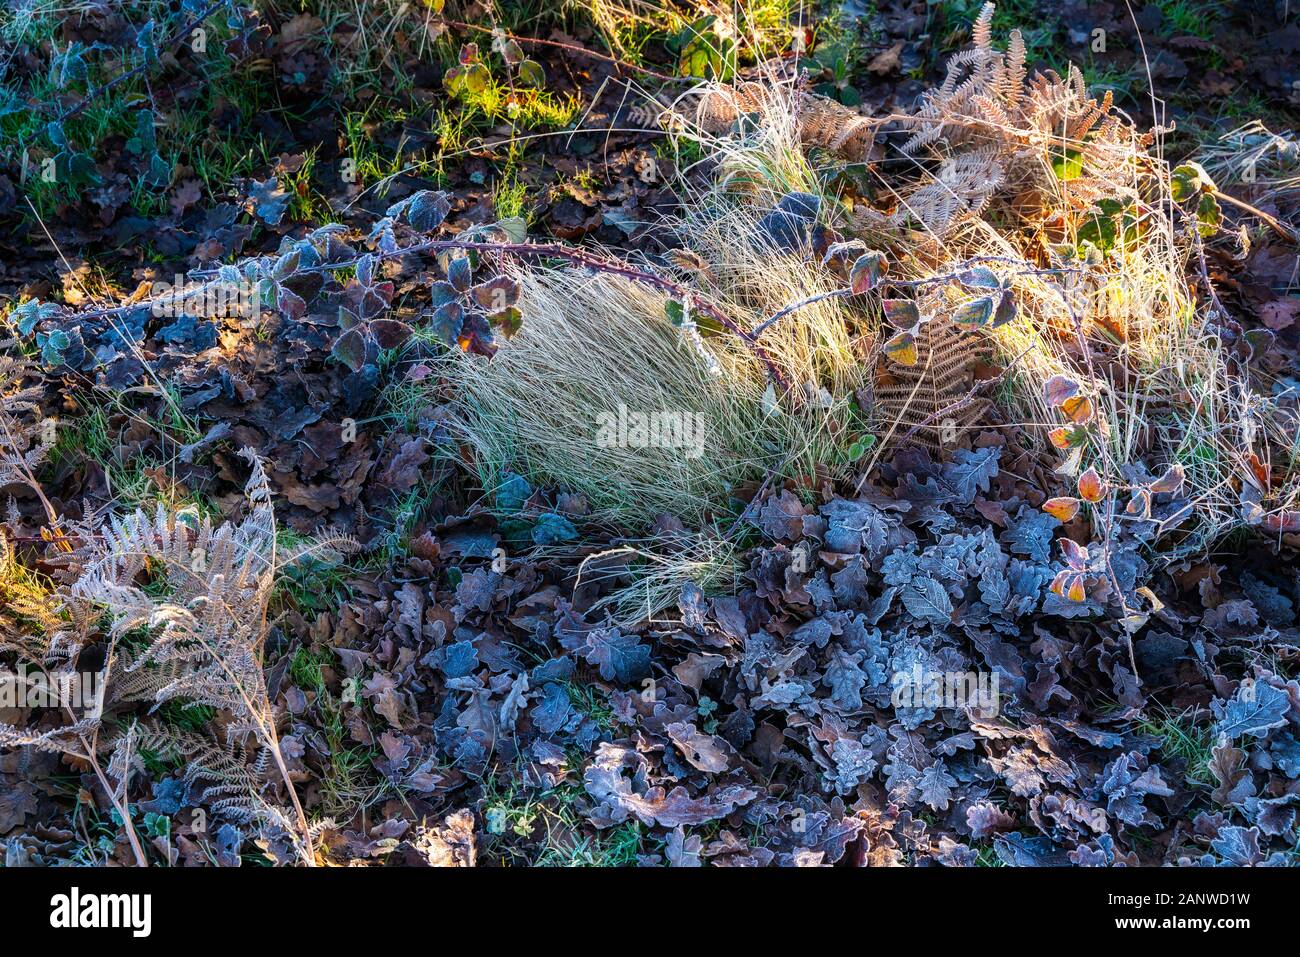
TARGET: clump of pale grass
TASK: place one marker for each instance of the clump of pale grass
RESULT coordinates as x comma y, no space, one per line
597,350
1137,327
592,345
658,570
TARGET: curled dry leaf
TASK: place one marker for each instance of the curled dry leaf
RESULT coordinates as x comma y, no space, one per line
1063,508
1171,481
1059,389
1091,487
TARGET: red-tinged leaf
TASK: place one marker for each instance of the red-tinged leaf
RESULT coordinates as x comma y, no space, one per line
1140,504
1260,472
902,349
1062,508
498,293
350,349
476,335
1076,555
390,333
1066,437
290,304
1091,487
901,313
866,272
1069,585
974,313
1077,409
1171,481
1059,388
1282,522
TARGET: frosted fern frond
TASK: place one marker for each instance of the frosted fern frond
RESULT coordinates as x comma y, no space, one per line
24,443
1042,133
961,189
231,779
205,633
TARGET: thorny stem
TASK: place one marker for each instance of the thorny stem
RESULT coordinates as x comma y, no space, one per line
578,257
795,306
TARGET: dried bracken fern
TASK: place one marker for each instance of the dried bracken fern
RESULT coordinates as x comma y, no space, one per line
25,435
234,780
1004,132
197,595
961,189
205,635
217,581
822,123
930,402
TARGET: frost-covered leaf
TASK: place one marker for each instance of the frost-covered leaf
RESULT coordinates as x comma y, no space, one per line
268,200
970,471
1030,534
936,786
1256,709
926,599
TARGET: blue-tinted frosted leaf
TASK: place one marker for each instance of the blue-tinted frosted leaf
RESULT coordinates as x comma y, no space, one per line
427,209
970,471
268,200
552,528
1030,534
926,599
1238,846
512,494
936,784
1016,850
29,314
1255,709
554,711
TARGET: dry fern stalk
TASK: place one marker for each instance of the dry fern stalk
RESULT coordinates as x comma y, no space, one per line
199,643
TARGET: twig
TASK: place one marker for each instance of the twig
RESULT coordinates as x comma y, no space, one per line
572,48
1286,232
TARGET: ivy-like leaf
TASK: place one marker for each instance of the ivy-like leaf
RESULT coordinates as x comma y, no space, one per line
866,272
976,312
